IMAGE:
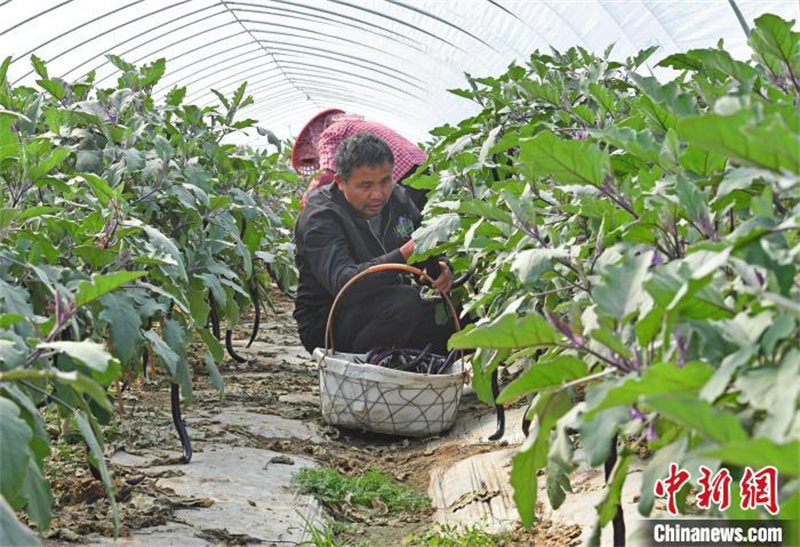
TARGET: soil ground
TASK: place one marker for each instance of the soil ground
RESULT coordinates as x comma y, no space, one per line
280,383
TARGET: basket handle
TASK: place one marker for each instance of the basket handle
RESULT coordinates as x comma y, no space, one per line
375,269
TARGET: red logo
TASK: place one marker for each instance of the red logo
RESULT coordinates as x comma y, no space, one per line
716,490
670,486
760,488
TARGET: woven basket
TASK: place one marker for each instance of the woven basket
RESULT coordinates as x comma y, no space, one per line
383,400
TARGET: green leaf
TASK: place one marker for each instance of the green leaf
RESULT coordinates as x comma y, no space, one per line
726,370
744,330
609,506
759,453
176,339
434,231
85,385
97,458
643,55
781,329
642,144
214,346
573,161
484,363
700,60
154,72
163,148
12,531
560,460
53,87
612,499
212,282
703,162
776,44
659,378
176,95
611,341
214,376
123,324
768,144
658,118
100,284
506,332
15,435
163,351
544,375
775,390
120,63
482,209
89,161
93,355
198,305
690,198
533,455
598,434
164,243
100,188
605,97
699,416
37,491
39,67
530,264
8,319
657,469
222,99
11,357
621,290
4,69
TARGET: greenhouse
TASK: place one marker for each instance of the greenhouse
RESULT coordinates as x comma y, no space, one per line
421,273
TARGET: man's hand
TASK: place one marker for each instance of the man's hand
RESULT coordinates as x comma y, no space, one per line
445,279
407,249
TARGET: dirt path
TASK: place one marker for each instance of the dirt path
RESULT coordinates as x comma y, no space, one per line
239,487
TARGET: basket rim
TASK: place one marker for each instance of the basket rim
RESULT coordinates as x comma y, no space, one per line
336,359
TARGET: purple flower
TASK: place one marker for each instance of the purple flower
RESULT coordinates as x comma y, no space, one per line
637,414
656,260
651,431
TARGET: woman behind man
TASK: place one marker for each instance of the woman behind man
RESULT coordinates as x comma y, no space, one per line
316,145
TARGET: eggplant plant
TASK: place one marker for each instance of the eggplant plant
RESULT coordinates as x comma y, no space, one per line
127,224
636,247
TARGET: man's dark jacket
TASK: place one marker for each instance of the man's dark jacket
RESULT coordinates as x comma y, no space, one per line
334,243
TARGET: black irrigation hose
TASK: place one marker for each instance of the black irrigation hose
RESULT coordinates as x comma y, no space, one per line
619,519
186,442
257,319
229,346
500,412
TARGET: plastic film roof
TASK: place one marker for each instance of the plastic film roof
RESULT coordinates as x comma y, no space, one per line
391,61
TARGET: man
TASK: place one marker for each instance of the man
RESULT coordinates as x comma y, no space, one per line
362,220
316,145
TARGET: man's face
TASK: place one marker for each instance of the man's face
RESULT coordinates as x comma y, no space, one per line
368,189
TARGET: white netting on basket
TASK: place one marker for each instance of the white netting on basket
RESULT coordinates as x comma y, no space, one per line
384,400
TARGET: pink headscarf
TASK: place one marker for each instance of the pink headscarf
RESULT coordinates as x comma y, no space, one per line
315,148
